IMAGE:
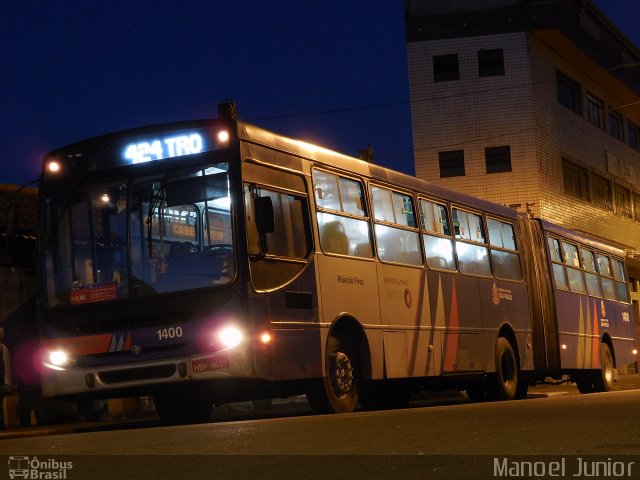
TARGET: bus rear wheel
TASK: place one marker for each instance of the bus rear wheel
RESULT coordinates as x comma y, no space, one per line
338,390
604,377
179,407
503,384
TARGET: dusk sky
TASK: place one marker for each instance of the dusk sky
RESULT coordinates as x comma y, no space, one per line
330,72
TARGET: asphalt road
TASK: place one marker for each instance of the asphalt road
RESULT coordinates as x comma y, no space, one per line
459,440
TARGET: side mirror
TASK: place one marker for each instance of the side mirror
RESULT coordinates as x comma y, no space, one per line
265,219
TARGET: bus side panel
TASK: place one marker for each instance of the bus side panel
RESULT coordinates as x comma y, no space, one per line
348,288
579,328
402,310
455,335
623,331
505,303
293,314
584,321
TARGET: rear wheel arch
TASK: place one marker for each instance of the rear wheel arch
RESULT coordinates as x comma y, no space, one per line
506,331
606,339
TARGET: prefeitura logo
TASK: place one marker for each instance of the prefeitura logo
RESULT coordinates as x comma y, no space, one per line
38,469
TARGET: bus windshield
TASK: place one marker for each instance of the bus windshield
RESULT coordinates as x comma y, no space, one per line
163,233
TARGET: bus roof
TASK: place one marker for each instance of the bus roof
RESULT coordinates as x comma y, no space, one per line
253,134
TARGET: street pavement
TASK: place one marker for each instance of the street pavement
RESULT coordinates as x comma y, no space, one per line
295,406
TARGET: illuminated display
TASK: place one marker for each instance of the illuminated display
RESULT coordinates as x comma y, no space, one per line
167,147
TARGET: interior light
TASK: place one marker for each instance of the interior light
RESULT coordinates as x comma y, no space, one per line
105,198
230,337
564,347
53,166
634,351
223,136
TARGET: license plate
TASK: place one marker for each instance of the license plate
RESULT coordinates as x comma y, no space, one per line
209,364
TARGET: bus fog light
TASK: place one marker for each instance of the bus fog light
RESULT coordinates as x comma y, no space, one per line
230,337
182,369
90,380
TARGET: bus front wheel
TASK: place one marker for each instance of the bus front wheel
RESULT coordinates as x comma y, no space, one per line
338,390
503,384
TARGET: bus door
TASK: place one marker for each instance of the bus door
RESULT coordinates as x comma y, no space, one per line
282,268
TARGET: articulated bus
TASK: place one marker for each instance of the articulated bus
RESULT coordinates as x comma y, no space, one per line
213,261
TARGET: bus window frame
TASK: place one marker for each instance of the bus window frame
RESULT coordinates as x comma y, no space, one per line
579,268
625,280
366,207
450,237
554,262
583,248
294,193
602,275
486,245
374,222
492,247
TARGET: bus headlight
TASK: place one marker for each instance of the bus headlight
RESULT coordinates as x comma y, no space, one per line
56,359
230,337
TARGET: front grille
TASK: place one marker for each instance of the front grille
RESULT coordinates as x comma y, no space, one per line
134,374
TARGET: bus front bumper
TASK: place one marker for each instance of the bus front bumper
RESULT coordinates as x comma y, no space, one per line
144,375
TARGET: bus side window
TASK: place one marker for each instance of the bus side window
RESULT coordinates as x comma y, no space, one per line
473,254
574,274
342,218
506,261
590,272
399,240
622,289
559,271
606,274
436,236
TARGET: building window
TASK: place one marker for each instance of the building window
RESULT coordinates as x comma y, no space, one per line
576,181
445,67
633,135
601,191
568,93
498,159
616,128
623,201
491,62
451,163
636,206
595,110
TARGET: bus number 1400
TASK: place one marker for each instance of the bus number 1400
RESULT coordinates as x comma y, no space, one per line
168,333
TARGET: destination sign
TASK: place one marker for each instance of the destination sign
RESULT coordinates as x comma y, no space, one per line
170,146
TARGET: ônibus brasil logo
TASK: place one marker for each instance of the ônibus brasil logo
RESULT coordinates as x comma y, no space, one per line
36,469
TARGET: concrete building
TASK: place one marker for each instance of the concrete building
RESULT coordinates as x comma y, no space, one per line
532,104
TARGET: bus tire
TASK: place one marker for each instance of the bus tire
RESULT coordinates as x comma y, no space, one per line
603,378
503,384
182,407
338,390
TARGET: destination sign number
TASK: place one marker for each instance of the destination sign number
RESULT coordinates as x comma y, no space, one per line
167,147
